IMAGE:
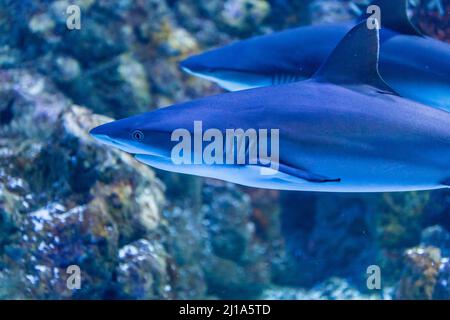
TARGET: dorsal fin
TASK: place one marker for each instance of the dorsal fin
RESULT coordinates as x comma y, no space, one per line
394,15
355,60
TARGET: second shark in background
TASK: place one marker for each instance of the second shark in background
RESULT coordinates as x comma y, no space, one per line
415,66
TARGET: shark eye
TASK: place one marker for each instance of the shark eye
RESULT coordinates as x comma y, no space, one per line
137,135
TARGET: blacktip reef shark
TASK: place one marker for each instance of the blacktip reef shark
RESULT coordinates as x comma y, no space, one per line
416,66
343,130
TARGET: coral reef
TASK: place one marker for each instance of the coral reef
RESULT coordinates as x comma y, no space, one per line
433,18
420,273
331,289
426,268
331,235
142,271
65,200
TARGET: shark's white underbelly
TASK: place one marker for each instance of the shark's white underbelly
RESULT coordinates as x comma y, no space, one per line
369,176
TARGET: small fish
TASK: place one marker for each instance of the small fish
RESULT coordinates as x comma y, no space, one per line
344,130
417,67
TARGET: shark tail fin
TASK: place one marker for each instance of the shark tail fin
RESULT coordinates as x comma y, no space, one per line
355,60
393,15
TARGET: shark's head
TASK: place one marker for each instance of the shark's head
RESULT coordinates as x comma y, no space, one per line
257,62
277,58
152,133
134,135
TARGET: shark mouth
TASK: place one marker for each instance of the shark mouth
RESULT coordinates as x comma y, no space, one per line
233,80
105,139
241,80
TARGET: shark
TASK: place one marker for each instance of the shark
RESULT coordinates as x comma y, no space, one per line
416,66
343,130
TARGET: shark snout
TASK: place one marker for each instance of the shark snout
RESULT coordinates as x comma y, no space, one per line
133,138
109,134
103,134
102,130
189,65
105,139
196,64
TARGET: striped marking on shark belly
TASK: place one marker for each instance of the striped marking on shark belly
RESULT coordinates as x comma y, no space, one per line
283,78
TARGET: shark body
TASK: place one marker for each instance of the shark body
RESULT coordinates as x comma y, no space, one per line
417,67
344,130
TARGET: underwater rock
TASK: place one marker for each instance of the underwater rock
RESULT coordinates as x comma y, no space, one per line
265,213
426,269
420,273
112,56
442,287
437,209
227,214
68,69
433,18
244,14
327,235
191,16
64,199
120,82
41,24
330,11
234,243
399,222
438,237
239,18
185,239
230,280
266,216
185,235
331,289
129,190
142,271
342,242
53,238
30,105
220,238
